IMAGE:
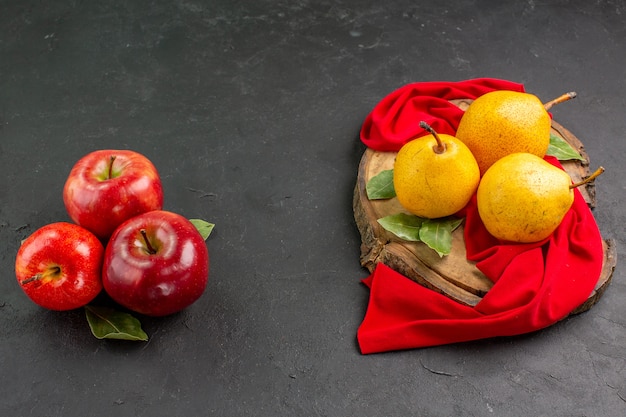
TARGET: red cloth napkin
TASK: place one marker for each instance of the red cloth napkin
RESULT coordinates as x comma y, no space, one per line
395,120
535,284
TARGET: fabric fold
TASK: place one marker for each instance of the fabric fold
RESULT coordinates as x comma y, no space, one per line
395,119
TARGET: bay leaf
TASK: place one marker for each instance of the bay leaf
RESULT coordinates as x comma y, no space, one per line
108,323
405,226
562,150
380,186
205,228
437,233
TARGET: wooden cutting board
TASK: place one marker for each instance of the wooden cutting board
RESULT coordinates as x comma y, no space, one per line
453,275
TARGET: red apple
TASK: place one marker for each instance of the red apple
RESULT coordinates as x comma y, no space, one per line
59,266
107,187
156,264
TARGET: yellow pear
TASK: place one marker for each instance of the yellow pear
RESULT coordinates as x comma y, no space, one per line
523,198
502,122
435,176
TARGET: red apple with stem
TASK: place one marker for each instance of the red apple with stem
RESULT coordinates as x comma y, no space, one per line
156,264
108,187
59,266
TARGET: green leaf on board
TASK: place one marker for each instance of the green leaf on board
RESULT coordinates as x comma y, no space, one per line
437,233
405,226
205,228
108,323
562,150
380,186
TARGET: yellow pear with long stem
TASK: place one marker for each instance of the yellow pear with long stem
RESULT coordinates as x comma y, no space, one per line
435,175
522,198
503,122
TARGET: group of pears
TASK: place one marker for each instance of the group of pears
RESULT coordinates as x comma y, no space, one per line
498,154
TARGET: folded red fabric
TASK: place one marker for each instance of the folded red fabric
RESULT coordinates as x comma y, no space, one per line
395,119
535,284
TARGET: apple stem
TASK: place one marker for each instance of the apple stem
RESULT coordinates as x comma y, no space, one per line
587,180
31,279
151,249
55,270
560,99
440,147
111,166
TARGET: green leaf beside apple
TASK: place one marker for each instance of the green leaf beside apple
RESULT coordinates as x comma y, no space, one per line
108,323
205,228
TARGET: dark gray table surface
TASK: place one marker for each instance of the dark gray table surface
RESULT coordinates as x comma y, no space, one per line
251,110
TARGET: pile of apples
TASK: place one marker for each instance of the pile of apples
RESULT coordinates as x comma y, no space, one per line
151,261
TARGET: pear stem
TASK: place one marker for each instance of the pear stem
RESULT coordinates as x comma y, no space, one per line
560,99
111,166
440,147
587,180
149,246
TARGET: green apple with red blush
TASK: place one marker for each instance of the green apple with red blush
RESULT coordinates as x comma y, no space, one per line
156,264
107,187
